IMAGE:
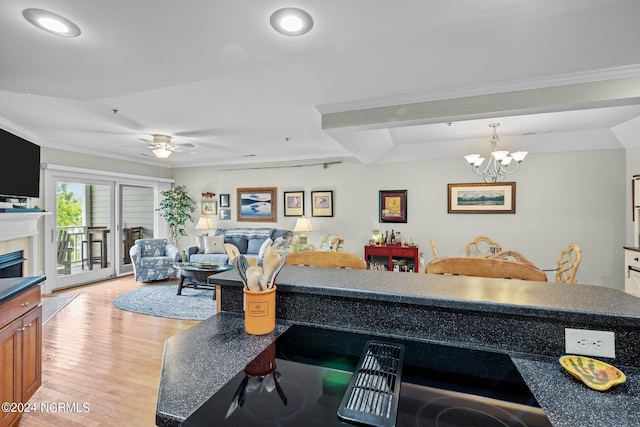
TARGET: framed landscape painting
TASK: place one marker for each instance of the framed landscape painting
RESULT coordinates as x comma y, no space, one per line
482,198
257,204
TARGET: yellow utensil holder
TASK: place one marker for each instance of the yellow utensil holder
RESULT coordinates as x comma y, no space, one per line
259,311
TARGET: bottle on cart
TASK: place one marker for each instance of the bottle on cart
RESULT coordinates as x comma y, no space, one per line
392,238
386,237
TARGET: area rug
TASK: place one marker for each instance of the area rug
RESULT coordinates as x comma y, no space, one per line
52,305
161,300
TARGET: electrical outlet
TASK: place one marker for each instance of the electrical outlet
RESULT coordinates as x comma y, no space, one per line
590,343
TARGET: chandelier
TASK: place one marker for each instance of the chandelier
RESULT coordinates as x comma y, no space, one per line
497,167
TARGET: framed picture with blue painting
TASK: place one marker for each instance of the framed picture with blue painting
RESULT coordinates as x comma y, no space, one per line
257,204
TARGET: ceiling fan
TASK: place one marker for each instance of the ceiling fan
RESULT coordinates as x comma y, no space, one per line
162,146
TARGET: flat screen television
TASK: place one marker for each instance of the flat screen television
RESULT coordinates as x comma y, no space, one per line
20,171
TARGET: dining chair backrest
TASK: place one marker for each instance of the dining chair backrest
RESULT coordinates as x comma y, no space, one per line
486,267
482,247
568,262
511,255
326,259
434,249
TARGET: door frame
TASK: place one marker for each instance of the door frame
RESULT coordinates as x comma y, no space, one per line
54,173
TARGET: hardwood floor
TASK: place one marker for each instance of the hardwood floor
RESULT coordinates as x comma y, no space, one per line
102,364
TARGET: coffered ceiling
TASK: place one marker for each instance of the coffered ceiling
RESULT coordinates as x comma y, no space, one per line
377,80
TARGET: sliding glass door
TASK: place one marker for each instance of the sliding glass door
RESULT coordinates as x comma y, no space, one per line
83,231
135,219
96,218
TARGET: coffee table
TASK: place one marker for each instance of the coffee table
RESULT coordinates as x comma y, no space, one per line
194,275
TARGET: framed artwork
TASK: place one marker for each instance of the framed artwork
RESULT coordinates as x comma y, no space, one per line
208,207
482,198
392,206
293,203
257,204
224,201
322,203
225,213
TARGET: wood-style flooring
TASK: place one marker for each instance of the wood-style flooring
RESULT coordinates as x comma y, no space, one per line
101,359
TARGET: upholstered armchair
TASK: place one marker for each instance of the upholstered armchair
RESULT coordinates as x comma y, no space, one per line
154,259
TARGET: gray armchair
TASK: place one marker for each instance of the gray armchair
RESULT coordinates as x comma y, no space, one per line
154,259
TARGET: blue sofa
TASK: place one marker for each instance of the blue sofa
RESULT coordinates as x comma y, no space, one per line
154,259
249,242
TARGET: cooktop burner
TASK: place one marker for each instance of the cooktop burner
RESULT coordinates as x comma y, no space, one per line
301,378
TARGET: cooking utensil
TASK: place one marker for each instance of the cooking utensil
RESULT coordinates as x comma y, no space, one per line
243,276
243,265
272,280
255,278
270,261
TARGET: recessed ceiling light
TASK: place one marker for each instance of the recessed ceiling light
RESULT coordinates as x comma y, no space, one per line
291,21
51,22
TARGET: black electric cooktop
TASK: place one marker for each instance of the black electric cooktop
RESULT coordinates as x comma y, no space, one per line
301,378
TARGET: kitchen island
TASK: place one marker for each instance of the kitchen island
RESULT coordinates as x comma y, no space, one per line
525,321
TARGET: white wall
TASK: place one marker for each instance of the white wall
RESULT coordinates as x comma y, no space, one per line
561,198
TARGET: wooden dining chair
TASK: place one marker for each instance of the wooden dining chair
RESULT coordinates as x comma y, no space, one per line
434,250
486,267
568,262
326,259
482,247
511,255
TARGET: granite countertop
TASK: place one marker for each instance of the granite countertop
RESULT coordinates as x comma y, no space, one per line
197,362
12,286
459,292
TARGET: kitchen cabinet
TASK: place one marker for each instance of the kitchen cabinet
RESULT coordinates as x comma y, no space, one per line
20,351
392,257
632,271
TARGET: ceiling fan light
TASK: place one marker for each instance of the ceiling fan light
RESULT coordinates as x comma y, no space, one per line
162,153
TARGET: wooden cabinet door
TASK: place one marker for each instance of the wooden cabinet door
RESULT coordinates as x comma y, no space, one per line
31,353
10,355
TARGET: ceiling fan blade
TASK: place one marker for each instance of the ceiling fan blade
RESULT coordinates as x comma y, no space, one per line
183,144
200,133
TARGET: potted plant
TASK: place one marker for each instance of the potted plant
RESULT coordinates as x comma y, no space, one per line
176,207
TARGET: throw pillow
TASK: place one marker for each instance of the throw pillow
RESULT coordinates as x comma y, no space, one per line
214,245
200,244
254,245
264,247
278,243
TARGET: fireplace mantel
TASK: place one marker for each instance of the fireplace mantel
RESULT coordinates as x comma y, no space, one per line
19,230
19,225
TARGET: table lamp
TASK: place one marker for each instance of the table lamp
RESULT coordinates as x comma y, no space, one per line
303,224
204,223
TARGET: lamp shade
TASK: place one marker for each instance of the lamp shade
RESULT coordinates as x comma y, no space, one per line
303,224
204,223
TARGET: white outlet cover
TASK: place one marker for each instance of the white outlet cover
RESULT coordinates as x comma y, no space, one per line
598,343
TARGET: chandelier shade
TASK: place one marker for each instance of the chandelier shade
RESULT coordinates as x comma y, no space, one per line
497,166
